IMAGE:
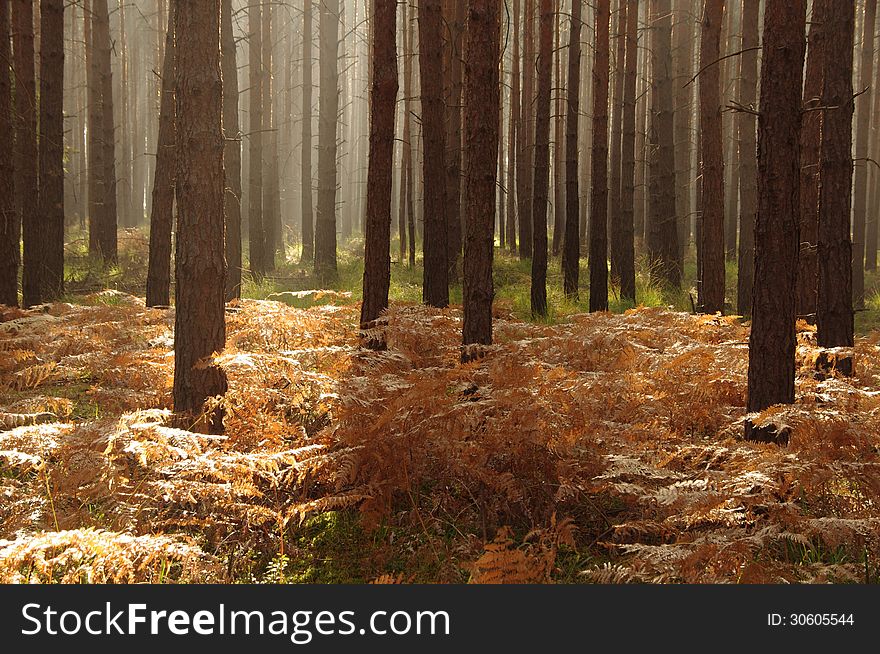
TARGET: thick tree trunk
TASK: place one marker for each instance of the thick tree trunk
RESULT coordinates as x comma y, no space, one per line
103,53
571,252
748,157
10,230
599,158
199,325
662,231
810,142
256,222
559,92
712,272
26,186
96,190
162,214
835,308
683,56
626,262
383,98
541,184
435,289
526,153
860,194
231,152
482,101
615,203
773,340
52,147
328,113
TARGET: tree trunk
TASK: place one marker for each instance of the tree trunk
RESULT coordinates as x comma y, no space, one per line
683,56
383,98
199,325
712,273
436,273
873,187
271,197
526,154
542,161
748,157
599,157
571,252
835,308
325,224
860,196
162,214
514,134
404,147
103,52
615,204
453,19
307,218
51,145
626,256
810,142
560,92
10,230
482,100
773,340
95,151
256,223
409,137
231,152
32,225
662,232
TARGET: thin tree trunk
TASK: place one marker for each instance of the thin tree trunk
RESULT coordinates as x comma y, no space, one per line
383,98
835,308
162,214
409,136
514,134
542,161
9,218
434,242
747,126
271,198
482,106
571,252
32,224
231,152
307,224
683,61
560,91
860,195
616,215
453,19
199,324
95,150
103,52
713,272
773,339
526,154
325,224
256,223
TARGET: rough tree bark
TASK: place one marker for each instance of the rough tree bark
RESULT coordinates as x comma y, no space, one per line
26,148
51,156
409,137
860,194
482,100
541,185
712,272
383,98
231,152
199,325
834,316
773,340
626,262
683,56
10,230
162,213
571,252
748,97
662,230
810,142
526,153
103,52
435,288
328,114
615,221
453,20
95,167
514,134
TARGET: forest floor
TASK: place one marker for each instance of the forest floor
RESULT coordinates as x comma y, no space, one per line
588,448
